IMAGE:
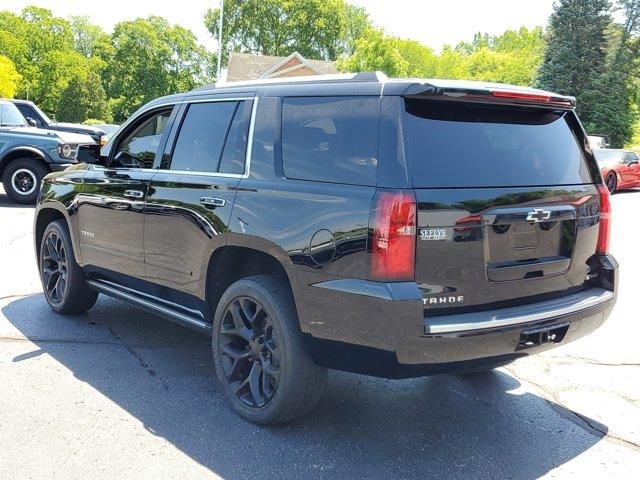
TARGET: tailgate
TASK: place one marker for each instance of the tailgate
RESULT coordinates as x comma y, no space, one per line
507,203
478,247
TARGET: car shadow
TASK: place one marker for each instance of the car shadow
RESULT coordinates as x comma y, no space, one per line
6,202
474,426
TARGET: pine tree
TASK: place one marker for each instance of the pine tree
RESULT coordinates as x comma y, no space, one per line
576,56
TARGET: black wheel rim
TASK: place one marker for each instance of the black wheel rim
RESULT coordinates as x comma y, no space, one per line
24,181
611,183
54,267
248,350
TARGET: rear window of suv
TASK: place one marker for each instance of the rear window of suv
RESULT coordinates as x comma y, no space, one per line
331,139
465,145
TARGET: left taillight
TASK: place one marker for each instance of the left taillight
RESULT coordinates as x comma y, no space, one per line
604,232
393,237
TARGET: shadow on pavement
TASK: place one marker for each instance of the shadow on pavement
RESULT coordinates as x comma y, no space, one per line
6,202
480,426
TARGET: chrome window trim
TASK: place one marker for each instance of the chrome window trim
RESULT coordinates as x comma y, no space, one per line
247,160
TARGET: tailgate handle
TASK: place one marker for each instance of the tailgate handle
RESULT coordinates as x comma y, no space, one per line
515,271
507,216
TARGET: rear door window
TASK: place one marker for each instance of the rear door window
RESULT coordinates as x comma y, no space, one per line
331,139
202,136
466,145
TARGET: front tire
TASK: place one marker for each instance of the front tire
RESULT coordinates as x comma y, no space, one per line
611,182
63,282
21,180
259,356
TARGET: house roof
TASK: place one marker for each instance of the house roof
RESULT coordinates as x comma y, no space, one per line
246,66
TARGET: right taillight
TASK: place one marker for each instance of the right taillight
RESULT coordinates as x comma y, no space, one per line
604,232
394,236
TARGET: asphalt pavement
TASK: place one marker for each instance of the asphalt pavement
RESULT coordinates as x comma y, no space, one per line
120,393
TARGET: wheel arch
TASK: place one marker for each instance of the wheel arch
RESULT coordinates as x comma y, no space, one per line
22,152
47,213
231,263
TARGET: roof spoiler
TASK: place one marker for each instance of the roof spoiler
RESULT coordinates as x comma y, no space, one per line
503,94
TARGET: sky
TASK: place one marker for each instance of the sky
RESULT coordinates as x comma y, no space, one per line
432,22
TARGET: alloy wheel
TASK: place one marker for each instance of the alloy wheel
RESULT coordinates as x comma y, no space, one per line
54,267
248,350
24,181
611,183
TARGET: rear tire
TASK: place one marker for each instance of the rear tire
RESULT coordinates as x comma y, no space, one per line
612,182
63,281
21,179
259,355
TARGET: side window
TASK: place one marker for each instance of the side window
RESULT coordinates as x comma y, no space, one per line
28,112
629,157
331,139
138,149
202,135
235,148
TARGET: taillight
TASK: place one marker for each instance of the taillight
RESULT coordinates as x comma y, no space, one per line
394,236
604,232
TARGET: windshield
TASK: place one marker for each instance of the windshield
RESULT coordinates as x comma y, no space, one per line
608,157
11,116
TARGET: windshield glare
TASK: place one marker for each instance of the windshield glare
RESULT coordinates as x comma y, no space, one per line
11,116
608,157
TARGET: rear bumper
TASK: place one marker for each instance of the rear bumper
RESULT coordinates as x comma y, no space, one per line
383,332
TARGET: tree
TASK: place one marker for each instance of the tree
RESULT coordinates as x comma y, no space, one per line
576,56
151,58
392,55
83,98
513,57
319,29
9,78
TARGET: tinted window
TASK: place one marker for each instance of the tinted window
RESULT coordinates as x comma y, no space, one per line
29,112
331,139
235,148
202,135
461,145
138,149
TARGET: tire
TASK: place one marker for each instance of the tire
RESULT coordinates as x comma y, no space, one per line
611,182
21,179
272,344
63,281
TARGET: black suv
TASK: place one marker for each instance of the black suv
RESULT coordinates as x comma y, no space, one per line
386,227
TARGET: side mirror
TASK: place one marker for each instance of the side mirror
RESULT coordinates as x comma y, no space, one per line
31,122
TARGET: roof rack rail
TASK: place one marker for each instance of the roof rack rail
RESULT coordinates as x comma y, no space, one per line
340,77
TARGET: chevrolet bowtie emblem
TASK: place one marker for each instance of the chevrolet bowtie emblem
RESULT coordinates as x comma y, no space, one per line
539,215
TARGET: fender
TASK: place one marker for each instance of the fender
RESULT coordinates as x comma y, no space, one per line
27,149
53,204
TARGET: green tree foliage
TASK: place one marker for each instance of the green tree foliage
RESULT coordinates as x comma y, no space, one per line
151,58
576,61
395,56
513,57
9,78
319,29
83,98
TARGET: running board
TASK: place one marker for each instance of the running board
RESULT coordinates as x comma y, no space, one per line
151,304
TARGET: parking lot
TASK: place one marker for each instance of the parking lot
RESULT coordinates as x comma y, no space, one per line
119,393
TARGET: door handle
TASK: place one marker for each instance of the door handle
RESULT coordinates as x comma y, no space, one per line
213,202
136,194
